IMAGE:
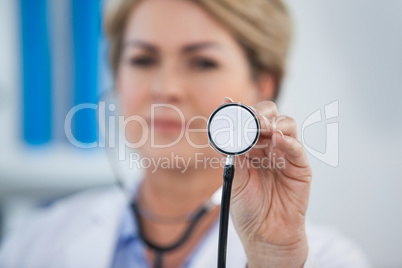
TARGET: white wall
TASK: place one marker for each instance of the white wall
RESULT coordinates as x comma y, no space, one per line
351,51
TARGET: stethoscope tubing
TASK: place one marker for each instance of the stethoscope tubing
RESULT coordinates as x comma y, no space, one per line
228,175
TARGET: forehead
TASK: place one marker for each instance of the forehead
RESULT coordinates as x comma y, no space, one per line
170,23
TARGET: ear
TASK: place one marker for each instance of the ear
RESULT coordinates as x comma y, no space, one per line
266,84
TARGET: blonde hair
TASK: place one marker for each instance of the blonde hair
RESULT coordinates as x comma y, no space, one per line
262,28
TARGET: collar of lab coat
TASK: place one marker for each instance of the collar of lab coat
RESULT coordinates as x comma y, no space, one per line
82,231
94,245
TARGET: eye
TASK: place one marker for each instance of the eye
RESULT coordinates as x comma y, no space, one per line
143,61
203,64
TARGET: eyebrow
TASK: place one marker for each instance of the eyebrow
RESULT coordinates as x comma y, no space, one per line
198,46
186,49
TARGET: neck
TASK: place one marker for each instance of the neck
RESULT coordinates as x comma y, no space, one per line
170,192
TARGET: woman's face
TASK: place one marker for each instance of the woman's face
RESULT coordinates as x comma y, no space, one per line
176,55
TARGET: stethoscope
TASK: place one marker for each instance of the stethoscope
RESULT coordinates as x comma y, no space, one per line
193,220
233,129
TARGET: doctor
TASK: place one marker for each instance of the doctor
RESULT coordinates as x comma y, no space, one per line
191,55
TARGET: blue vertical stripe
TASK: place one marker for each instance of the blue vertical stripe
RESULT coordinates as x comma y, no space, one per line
86,33
36,84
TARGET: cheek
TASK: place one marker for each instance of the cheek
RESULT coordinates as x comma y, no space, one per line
133,94
211,92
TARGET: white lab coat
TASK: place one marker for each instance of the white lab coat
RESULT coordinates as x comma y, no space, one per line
81,231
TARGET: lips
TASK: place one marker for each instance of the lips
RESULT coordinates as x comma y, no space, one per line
167,125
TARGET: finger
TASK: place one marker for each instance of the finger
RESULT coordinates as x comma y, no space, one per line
266,110
266,129
286,124
292,148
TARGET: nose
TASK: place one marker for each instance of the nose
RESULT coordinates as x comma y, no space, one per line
167,86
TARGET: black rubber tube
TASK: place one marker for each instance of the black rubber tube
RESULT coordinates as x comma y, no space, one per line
228,175
162,249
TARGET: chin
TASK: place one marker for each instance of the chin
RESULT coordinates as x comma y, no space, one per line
179,156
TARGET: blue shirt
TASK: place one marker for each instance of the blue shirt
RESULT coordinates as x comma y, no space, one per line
130,248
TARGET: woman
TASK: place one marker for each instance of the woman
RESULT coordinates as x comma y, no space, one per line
191,55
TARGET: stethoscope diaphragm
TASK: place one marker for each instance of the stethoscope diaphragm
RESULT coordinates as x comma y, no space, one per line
233,129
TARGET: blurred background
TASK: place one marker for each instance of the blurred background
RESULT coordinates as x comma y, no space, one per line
54,56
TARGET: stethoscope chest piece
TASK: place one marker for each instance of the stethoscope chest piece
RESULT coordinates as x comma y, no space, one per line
233,129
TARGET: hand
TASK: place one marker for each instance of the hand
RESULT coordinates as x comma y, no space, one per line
270,193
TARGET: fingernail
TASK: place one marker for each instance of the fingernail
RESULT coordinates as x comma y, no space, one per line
267,121
279,131
274,138
227,99
252,108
